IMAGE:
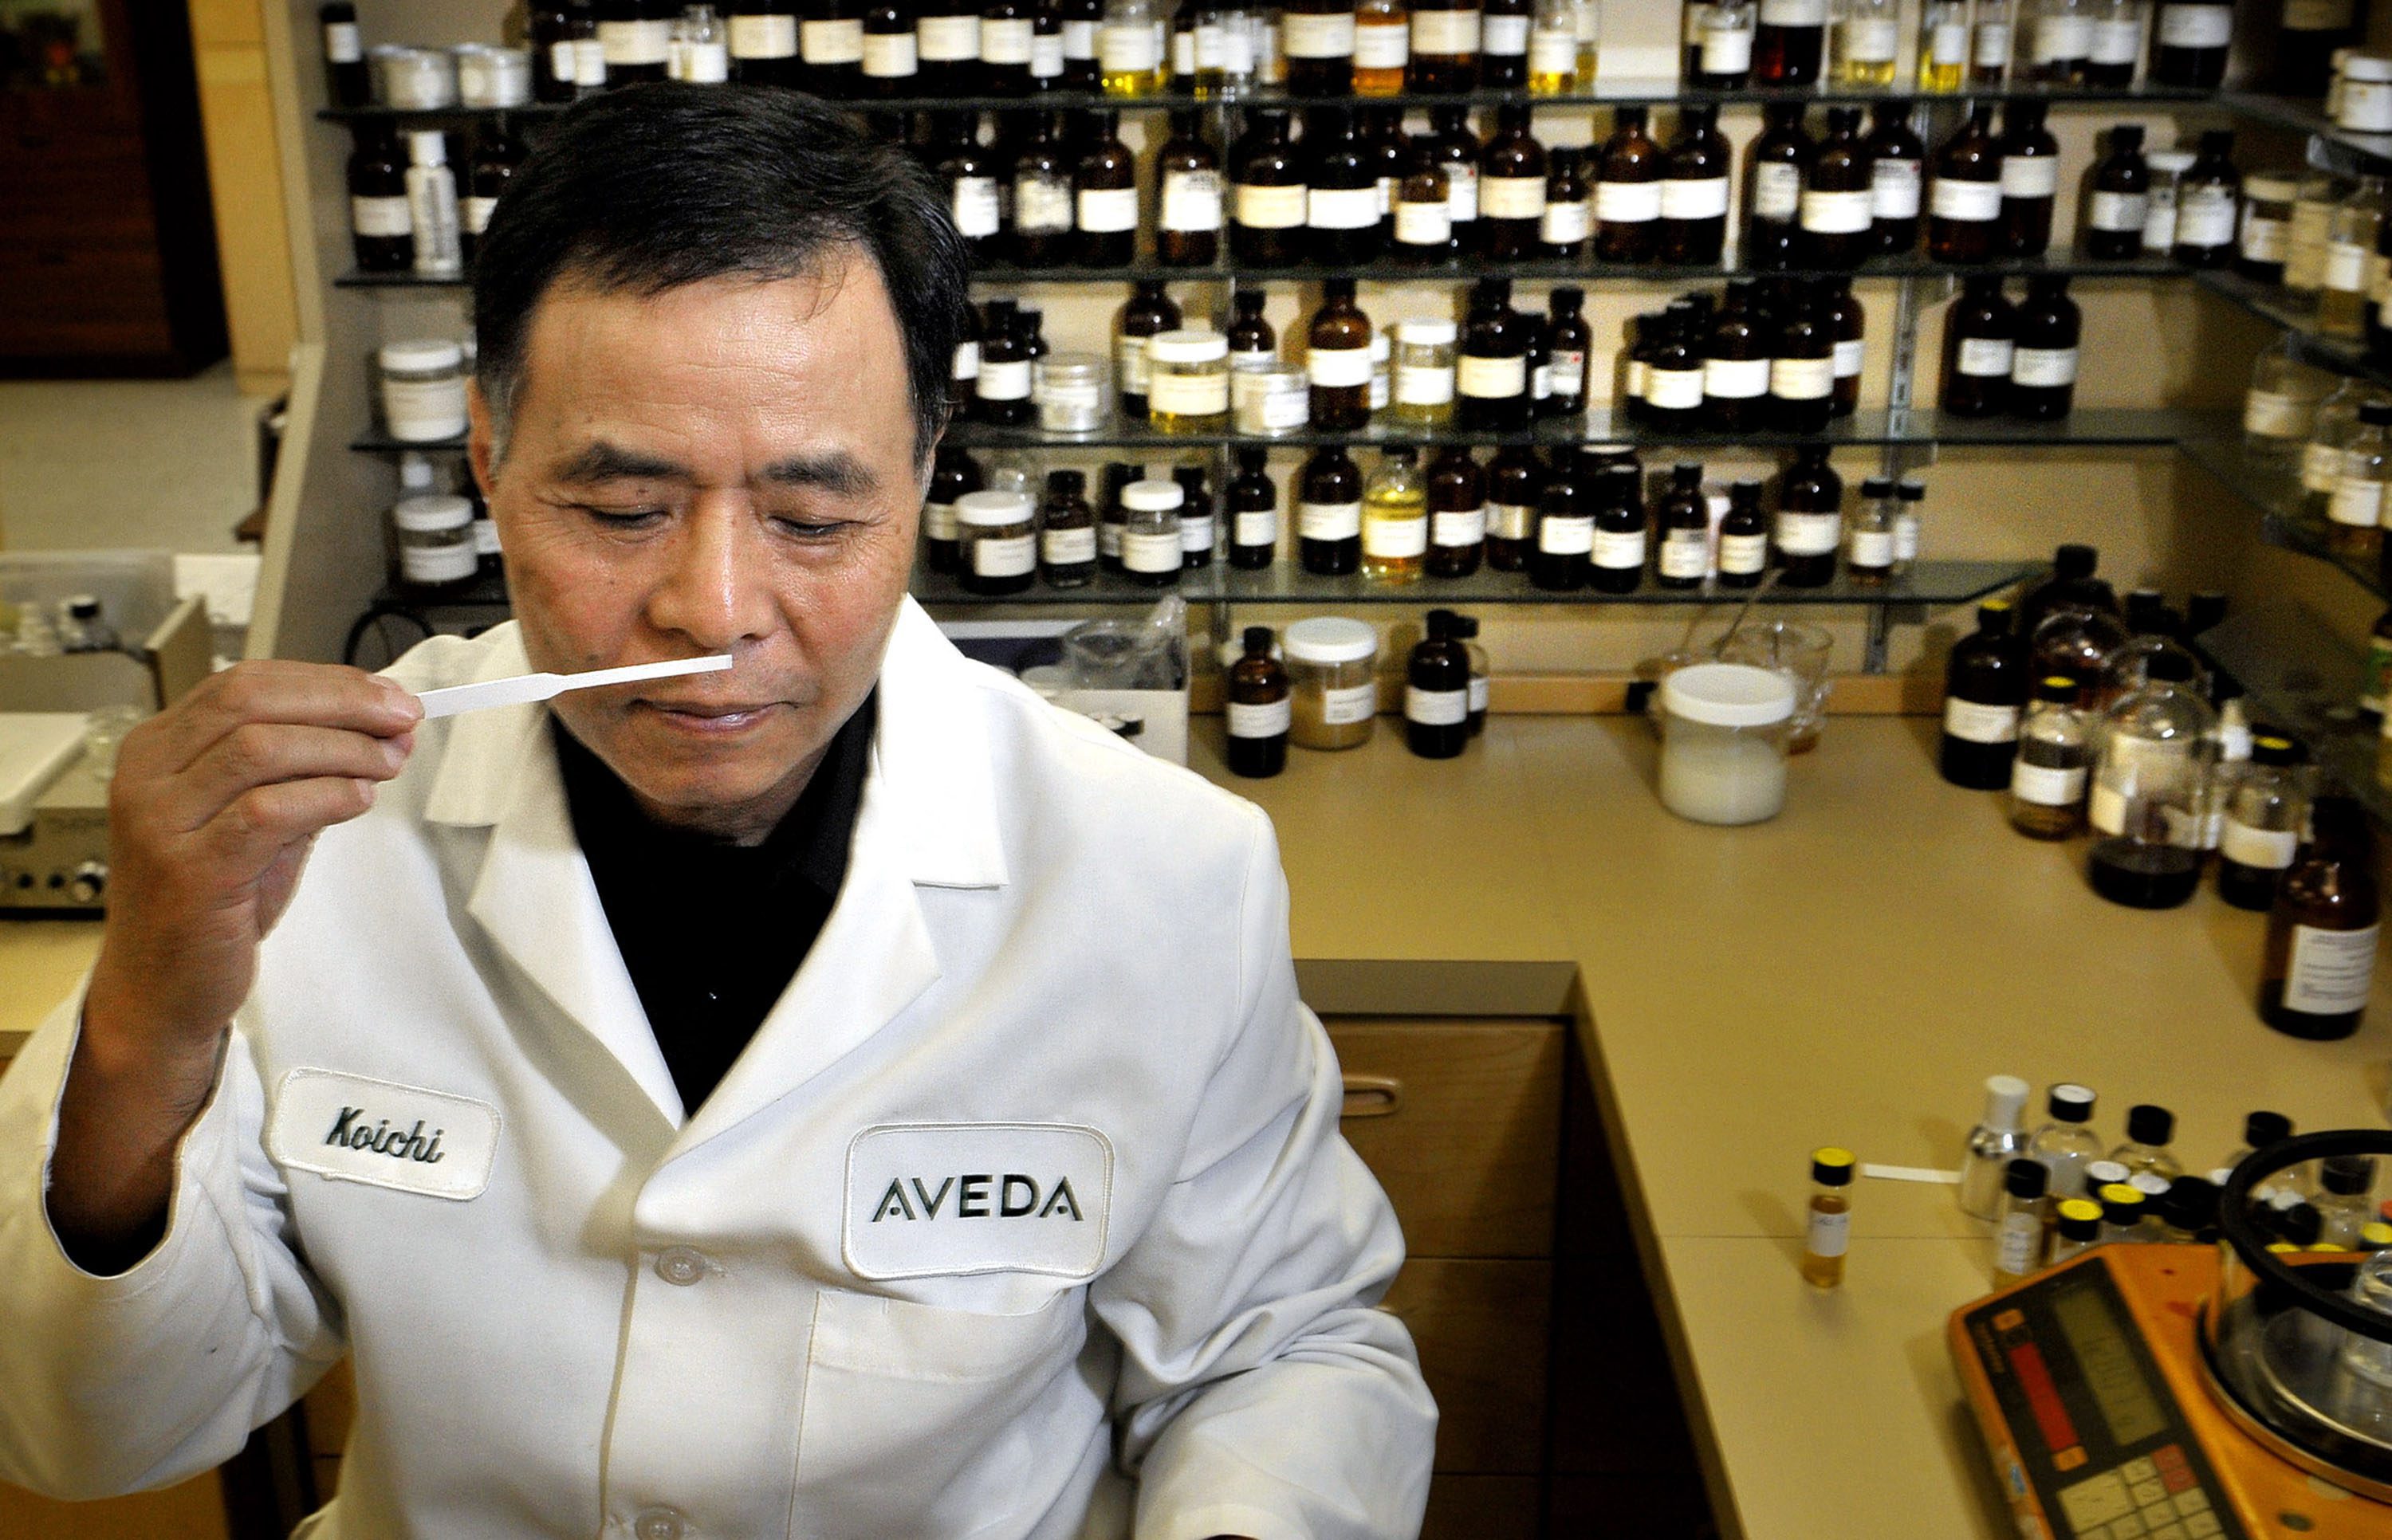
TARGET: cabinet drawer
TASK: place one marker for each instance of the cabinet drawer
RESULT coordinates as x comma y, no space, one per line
1480,1327
1461,1122
1482,1507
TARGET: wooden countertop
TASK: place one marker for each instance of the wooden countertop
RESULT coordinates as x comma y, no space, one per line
1846,974
1849,974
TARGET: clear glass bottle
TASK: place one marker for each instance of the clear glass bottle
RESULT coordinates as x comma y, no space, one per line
2304,237
2208,201
2344,1182
2355,512
1719,53
1187,380
1993,36
2116,45
2025,1217
1868,39
2147,791
1998,1138
1828,1235
1131,58
2148,1130
2280,409
1942,46
2352,266
1868,534
1383,46
2337,424
2066,1144
2267,802
1552,48
2075,1229
1424,370
2060,38
2124,1211
1789,44
2055,759
1152,553
1395,518
1910,497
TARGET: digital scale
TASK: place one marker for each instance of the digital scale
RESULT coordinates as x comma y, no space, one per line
2182,1392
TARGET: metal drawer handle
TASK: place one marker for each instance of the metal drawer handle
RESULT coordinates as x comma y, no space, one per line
1372,1096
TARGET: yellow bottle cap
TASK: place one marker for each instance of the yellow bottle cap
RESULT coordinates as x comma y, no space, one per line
2118,1192
1831,1166
2079,1209
2282,1247
2377,1234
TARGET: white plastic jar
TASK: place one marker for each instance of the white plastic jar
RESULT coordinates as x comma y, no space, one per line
2365,105
423,390
1724,732
436,549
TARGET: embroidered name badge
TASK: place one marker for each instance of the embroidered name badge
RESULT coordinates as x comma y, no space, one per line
352,1128
926,1199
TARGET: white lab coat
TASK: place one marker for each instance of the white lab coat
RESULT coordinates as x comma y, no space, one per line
1052,956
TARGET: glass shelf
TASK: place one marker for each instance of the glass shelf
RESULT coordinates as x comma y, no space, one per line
2306,117
2302,677
2272,303
2090,428
1465,270
1929,582
2274,489
1633,91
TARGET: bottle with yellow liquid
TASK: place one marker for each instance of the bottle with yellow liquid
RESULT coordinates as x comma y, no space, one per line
1131,59
1395,518
1869,39
1942,46
1831,1217
1383,46
1552,48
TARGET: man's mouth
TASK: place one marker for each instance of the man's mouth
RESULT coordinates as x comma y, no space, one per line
708,715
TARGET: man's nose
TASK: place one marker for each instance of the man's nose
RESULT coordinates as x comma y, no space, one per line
717,591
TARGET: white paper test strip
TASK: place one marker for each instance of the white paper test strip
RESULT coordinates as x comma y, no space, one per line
1910,1173
523,689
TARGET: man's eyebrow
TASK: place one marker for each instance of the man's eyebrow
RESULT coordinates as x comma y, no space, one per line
838,473
603,462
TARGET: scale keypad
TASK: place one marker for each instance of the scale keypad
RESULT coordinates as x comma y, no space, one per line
2154,1497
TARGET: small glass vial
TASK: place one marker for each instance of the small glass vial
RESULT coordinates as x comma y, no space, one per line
1260,709
1067,533
2168,169
2054,761
1187,382
2123,1211
2075,1229
1070,389
1909,494
1395,518
1152,554
2343,1183
2019,1233
2148,1129
1200,529
1333,676
2264,237
2266,806
436,552
2067,1144
1828,1234
1868,541
1998,1139
999,541
1424,373
423,390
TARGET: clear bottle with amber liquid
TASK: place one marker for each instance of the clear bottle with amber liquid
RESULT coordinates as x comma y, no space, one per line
1395,518
1383,46
2317,967
2053,763
1789,47
1828,1232
1457,514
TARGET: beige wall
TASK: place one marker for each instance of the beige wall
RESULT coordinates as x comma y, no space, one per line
244,176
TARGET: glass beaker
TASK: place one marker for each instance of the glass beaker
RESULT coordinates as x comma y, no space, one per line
1798,650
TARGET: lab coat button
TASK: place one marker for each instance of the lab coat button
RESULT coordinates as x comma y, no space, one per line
658,1523
681,1265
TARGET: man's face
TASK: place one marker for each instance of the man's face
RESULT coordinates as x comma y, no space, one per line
725,467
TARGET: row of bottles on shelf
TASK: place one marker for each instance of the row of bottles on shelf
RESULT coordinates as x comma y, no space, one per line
1580,519
1731,44
2335,434
2085,714
2324,241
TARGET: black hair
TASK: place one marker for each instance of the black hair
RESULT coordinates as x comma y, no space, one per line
656,186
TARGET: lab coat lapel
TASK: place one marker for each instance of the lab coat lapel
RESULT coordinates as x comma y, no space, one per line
535,897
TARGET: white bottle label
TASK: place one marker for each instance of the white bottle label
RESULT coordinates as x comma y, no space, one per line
1871,39
1445,34
1515,196
1628,203
1196,532
1619,550
633,45
1986,358
1009,556
2321,465
1006,381
1150,551
1007,41
341,44
1838,212
1948,43
974,206
1130,366
1337,367
831,43
2048,785
1382,46
1262,208
1793,13
1257,528
2118,211
2204,216
2058,39
1741,555
1700,197
1678,390
939,521
1423,386
1973,722
1567,224
1511,520
1872,549
588,61
1685,553
1568,371
1395,539
1080,41
1809,534
1778,191
1328,520
1970,202
2264,240
1103,211
1458,527
1462,192
1503,37
1553,53
2018,1244
1734,378
1727,51
764,36
1308,35
1064,548
2345,266
1191,201
1348,704
890,56
2196,26
1437,707
1424,223
2030,176
1491,379
2356,501
2044,367
2269,850
433,565
1894,189
1993,46
1342,208
1830,1234
1802,379
2270,414
948,39
1187,393
2331,971
2116,41
1270,720
474,214
381,217
1565,535
1848,354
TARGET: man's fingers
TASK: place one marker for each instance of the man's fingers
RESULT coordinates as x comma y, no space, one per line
297,695
258,754
255,827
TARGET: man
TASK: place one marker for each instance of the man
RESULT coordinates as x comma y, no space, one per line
482,1049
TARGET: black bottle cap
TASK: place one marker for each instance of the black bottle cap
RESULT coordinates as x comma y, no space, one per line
2071,1103
2190,1203
1067,483
1466,627
2028,1179
2346,1175
1490,293
2262,1129
1686,473
2217,141
1405,453
2301,1225
1993,618
1567,300
1185,119
2075,562
1843,119
1252,459
2204,610
2171,668
2024,114
2122,1205
1337,289
1877,486
2376,413
2149,1124
2125,137
1440,623
1258,641
1744,491
2057,687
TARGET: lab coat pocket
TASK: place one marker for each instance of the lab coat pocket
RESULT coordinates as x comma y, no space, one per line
924,1420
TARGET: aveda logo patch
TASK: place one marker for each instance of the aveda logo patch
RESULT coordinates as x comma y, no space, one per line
925,1199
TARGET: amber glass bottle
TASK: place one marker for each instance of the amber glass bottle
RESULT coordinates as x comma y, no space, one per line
1491,373
1774,168
2030,179
953,474
2319,959
1067,532
2043,367
1791,43
1897,179
1565,539
1341,198
1043,207
1511,188
1457,514
1984,692
1615,564
1329,513
1436,692
1980,341
1569,207
1516,485
1317,38
1337,360
1695,189
1744,537
1267,175
1682,525
1837,199
1454,150
1188,195
1147,312
1851,324
1569,350
1628,197
1443,45
1802,363
1252,506
1809,520
1736,365
1965,205
382,227
1104,192
2118,203
1258,709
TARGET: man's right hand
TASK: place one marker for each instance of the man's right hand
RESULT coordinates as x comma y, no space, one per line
215,805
